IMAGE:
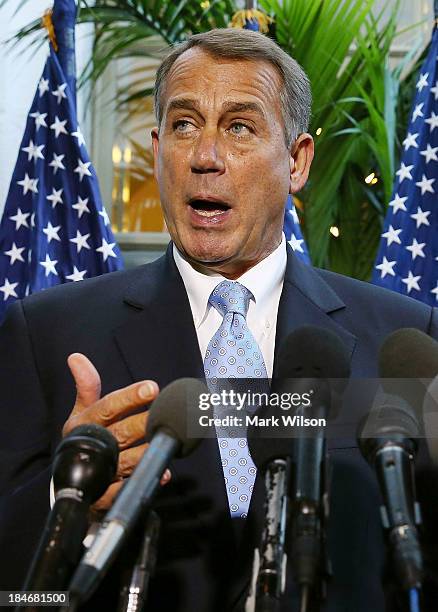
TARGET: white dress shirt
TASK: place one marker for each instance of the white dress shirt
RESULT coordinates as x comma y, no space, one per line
264,280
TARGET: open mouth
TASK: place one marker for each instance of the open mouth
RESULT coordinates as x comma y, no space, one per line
208,208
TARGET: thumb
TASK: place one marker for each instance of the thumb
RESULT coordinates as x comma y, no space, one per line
87,379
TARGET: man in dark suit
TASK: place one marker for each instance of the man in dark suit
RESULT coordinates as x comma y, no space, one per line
232,111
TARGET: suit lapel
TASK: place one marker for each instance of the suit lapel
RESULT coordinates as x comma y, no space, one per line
159,339
307,299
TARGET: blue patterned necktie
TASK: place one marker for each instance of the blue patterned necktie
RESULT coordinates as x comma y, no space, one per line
234,353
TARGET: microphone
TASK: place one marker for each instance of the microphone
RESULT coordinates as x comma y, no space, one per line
133,595
430,419
84,466
166,431
318,357
271,457
413,355
388,443
307,359
408,353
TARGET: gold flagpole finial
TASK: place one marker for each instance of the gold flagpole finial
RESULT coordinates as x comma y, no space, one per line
48,24
251,19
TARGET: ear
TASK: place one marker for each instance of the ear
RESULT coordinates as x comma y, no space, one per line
301,156
155,145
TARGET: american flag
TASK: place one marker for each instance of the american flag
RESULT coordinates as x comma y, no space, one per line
292,231
54,227
407,260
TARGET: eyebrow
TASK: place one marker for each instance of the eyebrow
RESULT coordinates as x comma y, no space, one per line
228,107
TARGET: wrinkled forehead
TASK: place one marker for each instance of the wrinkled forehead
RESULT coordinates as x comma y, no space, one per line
200,74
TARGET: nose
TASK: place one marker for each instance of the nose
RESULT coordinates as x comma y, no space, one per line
207,155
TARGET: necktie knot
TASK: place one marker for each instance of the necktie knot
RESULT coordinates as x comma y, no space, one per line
230,296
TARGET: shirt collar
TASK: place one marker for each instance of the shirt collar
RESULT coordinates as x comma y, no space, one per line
261,280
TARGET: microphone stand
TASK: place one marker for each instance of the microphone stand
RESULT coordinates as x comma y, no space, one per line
310,513
133,594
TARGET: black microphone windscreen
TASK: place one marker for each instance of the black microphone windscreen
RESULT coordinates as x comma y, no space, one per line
313,352
408,353
171,410
91,437
86,459
264,450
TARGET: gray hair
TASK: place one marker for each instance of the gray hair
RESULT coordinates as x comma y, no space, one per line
295,94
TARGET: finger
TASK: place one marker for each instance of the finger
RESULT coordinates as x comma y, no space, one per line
167,475
106,501
129,430
128,460
118,404
87,381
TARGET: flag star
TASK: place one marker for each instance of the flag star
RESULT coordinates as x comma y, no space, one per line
398,203
294,214
59,126
104,216
392,235
33,151
416,249
80,241
430,153
434,90
27,291
28,184
56,163
417,112
82,169
77,275
410,141
422,81
8,290
426,184
20,219
421,217
15,253
78,134
52,232
55,198
411,282
40,119
435,291
106,249
386,267
49,266
59,93
81,206
296,244
432,121
43,86
29,256
32,220
404,172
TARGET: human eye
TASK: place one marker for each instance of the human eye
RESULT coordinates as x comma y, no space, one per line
240,129
182,126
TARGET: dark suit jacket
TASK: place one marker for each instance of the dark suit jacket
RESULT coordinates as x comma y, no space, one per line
138,324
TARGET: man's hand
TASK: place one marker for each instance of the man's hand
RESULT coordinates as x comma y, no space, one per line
112,411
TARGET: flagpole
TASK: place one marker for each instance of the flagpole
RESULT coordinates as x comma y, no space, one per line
64,20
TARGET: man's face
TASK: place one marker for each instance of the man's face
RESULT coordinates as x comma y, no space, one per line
221,161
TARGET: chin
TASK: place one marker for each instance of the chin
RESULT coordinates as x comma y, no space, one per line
211,253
